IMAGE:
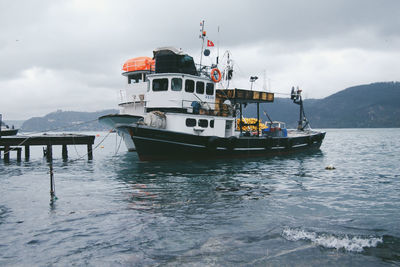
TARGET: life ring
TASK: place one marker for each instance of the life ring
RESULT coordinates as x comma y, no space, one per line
216,75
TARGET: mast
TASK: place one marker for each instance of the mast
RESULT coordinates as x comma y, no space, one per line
202,35
218,47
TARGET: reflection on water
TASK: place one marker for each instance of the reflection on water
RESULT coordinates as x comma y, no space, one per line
116,210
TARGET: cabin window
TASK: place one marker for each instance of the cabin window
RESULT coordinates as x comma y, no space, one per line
212,123
190,122
160,85
203,123
176,84
189,86
199,87
210,89
134,78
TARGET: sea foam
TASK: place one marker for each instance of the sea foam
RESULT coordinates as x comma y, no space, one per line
346,242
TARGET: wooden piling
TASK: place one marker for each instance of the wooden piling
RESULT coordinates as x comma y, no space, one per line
27,152
64,152
49,152
90,152
52,185
6,153
18,153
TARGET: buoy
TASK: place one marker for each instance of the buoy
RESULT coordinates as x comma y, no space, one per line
101,146
97,135
330,167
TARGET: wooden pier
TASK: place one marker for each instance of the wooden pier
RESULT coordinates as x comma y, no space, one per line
15,143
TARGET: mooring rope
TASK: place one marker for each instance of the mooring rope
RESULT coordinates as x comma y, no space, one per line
93,149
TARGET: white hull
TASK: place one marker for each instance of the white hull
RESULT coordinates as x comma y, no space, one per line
117,120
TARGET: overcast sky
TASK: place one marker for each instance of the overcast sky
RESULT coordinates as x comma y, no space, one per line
68,54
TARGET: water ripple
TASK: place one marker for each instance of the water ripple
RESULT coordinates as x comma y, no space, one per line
116,210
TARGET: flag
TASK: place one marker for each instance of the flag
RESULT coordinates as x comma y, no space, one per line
210,43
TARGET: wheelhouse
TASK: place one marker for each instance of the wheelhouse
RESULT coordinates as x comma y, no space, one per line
180,92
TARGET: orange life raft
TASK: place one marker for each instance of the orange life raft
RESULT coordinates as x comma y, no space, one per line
139,63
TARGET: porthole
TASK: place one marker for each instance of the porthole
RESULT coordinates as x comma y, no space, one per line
203,123
212,123
190,122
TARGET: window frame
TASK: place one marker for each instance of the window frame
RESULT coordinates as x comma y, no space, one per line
172,83
159,79
190,124
197,88
201,121
186,88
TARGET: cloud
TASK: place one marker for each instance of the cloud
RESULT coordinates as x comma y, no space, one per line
39,91
68,54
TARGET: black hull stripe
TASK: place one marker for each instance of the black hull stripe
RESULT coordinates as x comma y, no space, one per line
154,144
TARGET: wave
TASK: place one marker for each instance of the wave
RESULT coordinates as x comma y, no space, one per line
346,242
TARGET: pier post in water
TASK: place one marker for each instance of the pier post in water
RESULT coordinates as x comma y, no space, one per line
27,152
6,153
49,152
90,152
19,151
52,185
64,152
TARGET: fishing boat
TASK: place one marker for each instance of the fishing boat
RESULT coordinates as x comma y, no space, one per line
132,105
190,112
206,130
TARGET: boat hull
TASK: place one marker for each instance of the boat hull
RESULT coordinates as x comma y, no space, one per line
114,121
157,144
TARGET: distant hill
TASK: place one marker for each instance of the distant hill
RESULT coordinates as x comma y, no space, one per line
66,121
374,105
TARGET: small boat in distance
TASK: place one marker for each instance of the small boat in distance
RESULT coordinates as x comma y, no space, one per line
6,130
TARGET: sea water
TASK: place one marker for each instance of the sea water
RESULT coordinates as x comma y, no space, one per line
279,211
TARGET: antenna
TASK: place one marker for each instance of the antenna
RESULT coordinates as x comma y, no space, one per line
201,36
218,47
